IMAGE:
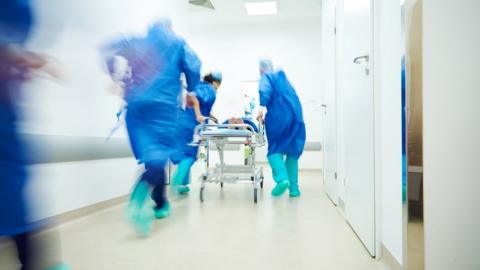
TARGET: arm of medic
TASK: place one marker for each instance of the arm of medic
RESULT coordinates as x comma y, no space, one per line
193,102
213,118
191,66
115,56
265,90
23,60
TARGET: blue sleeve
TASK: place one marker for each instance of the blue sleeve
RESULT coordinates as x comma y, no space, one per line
251,123
191,66
265,90
201,94
118,47
112,49
16,21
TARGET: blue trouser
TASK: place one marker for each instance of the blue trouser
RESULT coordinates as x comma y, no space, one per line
13,171
151,129
13,181
155,177
284,167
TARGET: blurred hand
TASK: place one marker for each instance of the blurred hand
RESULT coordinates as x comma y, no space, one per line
201,119
214,119
25,64
53,68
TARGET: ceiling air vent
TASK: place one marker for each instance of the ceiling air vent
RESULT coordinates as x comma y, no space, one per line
202,3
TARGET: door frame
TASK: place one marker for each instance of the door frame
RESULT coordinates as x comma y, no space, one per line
339,122
327,108
373,51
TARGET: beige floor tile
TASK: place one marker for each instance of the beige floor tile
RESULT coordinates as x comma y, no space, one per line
227,231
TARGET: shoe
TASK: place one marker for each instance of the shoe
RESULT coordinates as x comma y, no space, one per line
60,266
294,191
280,188
163,212
138,211
183,189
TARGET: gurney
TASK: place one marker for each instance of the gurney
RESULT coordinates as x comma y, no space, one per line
219,137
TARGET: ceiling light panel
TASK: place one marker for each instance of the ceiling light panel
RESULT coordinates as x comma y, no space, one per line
261,8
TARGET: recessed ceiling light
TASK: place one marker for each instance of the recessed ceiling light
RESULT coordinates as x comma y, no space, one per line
261,8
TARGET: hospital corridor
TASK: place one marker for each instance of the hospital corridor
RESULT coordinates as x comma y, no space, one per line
239,134
225,232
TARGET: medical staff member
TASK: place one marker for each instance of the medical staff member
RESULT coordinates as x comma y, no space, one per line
157,62
199,107
284,127
16,23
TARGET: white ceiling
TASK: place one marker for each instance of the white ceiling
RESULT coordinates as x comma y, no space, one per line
233,12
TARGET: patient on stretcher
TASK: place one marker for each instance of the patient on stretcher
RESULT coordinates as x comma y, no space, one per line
240,121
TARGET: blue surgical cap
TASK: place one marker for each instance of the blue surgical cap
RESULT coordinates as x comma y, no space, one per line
266,66
163,23
217,75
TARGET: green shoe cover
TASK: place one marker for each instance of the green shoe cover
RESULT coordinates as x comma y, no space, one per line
163,212
280,188
60,266
138,211
294,192
183,189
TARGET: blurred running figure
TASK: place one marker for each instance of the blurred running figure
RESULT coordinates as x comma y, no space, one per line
16,66
157,62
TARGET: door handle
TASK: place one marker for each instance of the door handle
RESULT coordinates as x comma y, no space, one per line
324,107
358,59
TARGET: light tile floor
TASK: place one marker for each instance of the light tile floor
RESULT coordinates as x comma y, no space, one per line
226,232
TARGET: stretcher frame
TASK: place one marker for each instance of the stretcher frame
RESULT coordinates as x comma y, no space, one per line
222,173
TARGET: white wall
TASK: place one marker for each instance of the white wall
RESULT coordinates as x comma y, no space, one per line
451,134
388,125
236,50
72,32
57,188
80,105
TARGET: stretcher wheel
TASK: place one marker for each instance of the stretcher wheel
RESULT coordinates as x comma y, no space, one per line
202,189
221,184
255,195
261,183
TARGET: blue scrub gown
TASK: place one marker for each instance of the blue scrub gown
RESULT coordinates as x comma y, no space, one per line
206,95
157,62
15,23
284,123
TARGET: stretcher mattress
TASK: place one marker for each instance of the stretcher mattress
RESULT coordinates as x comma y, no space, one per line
225,132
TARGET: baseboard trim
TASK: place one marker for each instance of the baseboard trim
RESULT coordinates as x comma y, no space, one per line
87,210
61,219
387,261
315,170
341,204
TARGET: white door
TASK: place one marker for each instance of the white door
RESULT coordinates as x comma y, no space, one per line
329,106
357,95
